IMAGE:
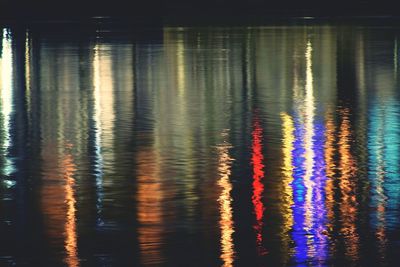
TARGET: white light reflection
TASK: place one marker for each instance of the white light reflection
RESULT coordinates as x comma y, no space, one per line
103,119
308,143
6,99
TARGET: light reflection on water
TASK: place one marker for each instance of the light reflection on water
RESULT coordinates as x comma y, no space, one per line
253,146
225,199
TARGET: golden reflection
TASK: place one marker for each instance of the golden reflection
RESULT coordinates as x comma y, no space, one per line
287,173
70,225
308,144
348,205
150,207
226,220
330,168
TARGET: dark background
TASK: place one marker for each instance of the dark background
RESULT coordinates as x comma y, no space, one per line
190,8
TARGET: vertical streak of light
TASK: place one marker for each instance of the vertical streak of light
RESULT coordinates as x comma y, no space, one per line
377,166
330,168
299,234
180,65
287,171
381,207
226,220
6,98
319,196
71,245
348,205
258,186
98,132
150,207
308,142
391,158
103,117
28,72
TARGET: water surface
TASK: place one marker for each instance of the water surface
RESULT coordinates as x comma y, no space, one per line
227,146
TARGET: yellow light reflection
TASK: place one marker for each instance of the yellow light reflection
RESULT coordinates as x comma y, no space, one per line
348,205
226,220
287,173
180,64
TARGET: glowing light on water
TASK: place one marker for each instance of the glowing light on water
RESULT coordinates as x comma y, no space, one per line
226,217
103,119
71,244
150,210
330,170
287,173
309,178
258,186
7,108
308,138
180,66
384,155
348,203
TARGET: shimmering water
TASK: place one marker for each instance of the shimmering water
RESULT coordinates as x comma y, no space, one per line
235,146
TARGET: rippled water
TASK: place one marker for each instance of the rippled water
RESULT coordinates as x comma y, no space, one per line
244,146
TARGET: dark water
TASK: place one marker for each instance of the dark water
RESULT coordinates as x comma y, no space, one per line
243,146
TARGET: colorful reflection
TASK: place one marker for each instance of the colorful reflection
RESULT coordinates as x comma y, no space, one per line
6,105
307,136
347,185
225,201
258,186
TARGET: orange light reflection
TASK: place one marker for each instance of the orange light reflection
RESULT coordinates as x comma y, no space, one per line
226,220
71,245
149,211
330,168
348,205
